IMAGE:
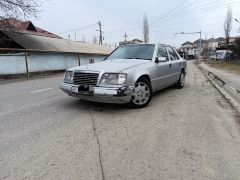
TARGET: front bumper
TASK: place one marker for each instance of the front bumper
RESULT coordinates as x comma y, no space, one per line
118,95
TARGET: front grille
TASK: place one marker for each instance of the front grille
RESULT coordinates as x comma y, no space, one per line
85,79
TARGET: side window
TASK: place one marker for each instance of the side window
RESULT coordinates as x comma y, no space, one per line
162,52
172,54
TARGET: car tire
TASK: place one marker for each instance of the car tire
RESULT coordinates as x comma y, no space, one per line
181,81
142,94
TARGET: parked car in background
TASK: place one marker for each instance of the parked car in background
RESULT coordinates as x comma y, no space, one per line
223,54
213,57
130,74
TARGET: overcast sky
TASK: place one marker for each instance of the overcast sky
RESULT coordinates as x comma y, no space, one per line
165,18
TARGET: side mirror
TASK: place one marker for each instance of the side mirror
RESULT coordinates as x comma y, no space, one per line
160,59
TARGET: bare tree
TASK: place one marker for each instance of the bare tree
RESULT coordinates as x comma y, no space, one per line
145,29
228,27
19,8
94,40
236,48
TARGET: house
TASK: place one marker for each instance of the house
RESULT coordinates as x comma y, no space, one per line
187,46
187,49
212,43
22,43
222,43
197,43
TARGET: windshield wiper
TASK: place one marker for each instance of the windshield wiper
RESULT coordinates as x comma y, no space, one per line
133,58
143,58
138,58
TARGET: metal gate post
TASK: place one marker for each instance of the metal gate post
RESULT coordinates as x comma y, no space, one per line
26,62
78,56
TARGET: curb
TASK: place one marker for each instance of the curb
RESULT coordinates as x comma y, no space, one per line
227,91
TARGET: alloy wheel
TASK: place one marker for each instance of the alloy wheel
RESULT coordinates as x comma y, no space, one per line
141,93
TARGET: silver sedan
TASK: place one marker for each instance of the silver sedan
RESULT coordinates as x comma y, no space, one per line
130,74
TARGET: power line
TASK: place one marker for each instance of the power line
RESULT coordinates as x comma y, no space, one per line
167,15
177,28
196,11
77,29
182,13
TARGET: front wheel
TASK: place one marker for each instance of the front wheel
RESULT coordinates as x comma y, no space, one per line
142,94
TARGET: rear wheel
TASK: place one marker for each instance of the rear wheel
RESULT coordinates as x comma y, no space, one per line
142,94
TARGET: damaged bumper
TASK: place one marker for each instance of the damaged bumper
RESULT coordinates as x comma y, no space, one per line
119,95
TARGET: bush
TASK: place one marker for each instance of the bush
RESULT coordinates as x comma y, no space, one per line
236,48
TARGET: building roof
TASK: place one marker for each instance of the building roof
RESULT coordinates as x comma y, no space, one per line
212,40
198,40
16,25
50,44
188,42
220,39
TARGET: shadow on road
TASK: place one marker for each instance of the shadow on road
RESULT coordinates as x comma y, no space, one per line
74,103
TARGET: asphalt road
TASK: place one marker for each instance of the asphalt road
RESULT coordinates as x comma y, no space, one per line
191,133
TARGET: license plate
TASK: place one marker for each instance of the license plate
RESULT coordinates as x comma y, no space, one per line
75,89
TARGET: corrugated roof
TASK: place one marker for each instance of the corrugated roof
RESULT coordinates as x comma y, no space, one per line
17,25
43,43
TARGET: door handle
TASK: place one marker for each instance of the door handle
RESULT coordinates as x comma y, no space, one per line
170,65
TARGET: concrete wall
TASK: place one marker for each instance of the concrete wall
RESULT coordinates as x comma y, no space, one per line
12,64
38,62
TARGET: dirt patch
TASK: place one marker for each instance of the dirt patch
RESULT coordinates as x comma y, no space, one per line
232,66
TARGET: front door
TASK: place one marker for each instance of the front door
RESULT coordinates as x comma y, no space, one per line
162,70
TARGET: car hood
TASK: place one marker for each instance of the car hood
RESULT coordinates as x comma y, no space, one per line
117,65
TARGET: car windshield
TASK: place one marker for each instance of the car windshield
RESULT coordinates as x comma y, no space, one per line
144,52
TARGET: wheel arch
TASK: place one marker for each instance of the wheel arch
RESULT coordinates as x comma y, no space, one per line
145,76
183,70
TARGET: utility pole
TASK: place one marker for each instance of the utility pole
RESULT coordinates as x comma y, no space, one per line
200,41
212,47
200,46
100,33
75,36
125,37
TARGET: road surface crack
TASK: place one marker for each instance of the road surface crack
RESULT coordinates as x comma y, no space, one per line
99,146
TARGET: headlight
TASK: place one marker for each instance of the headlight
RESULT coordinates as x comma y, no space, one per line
113,79
68,77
